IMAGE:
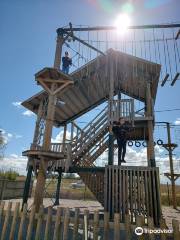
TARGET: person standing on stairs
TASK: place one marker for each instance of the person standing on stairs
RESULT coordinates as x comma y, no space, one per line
120,130
66,63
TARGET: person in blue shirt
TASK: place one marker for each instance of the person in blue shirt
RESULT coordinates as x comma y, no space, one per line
120,130
66,63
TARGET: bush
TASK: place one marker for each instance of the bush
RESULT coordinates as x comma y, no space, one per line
10,174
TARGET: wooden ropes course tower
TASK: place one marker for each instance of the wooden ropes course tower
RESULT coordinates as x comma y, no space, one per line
103,79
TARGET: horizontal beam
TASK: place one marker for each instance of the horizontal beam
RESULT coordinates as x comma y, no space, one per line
86,169
107,28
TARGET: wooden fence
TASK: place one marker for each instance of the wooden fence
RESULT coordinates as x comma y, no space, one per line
66,224
132,189
10,189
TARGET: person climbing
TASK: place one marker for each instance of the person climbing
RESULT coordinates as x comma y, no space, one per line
66,62
120,130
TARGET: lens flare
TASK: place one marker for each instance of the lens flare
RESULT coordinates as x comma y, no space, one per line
122,23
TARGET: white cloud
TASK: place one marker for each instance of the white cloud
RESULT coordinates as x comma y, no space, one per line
59,137
17,104
18,136
139,158
9,135
14,162
6,136
177,122
28,113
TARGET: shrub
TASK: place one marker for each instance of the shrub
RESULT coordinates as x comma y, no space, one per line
10,174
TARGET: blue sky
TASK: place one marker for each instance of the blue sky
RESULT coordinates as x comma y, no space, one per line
27,44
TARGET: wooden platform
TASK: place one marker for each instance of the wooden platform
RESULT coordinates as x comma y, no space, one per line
91,84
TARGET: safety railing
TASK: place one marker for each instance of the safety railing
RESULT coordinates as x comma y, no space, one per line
123,108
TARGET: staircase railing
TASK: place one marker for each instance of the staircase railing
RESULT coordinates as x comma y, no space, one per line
90,131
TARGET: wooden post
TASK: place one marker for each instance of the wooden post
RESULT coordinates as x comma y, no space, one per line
58,186
59,43
48,224
150,144
14,221
36,131
171,167
64,137
111,97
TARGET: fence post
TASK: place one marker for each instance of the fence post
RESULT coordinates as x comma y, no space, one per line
6,221
163,226
85,230
76,223
4,183
21,226
57,232
1,211
127,226
31,222
39,223
106,226
116,226
14,221
176,232
95,227
140,223
48,224
151,226
66,223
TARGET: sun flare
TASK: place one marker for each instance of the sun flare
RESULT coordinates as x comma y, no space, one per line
122,23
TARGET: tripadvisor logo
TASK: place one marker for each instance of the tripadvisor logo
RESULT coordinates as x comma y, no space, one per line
139,231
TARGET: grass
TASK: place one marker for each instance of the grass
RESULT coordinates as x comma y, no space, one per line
10,174
164,195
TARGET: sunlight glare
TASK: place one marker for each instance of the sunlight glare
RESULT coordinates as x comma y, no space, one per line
122,23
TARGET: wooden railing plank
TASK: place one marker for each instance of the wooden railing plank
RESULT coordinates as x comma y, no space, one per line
96,225
76,224
48,224
21,226
14,221
39,223
66,223
57,227
6,221
176,231
117,226
31,223
106,226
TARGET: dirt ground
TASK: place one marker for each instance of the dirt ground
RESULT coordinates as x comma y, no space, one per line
168,212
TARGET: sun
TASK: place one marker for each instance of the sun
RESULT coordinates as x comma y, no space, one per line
122,23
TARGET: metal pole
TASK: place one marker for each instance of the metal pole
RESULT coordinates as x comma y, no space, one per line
27,186
58,187
106,28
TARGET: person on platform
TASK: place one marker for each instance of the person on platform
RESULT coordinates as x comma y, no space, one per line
120,130
66,63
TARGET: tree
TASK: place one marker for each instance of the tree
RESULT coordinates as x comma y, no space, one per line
2,144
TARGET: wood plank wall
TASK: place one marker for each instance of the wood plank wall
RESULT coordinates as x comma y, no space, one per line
132,190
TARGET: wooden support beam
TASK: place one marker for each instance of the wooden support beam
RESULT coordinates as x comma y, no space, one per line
149,113
59,43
